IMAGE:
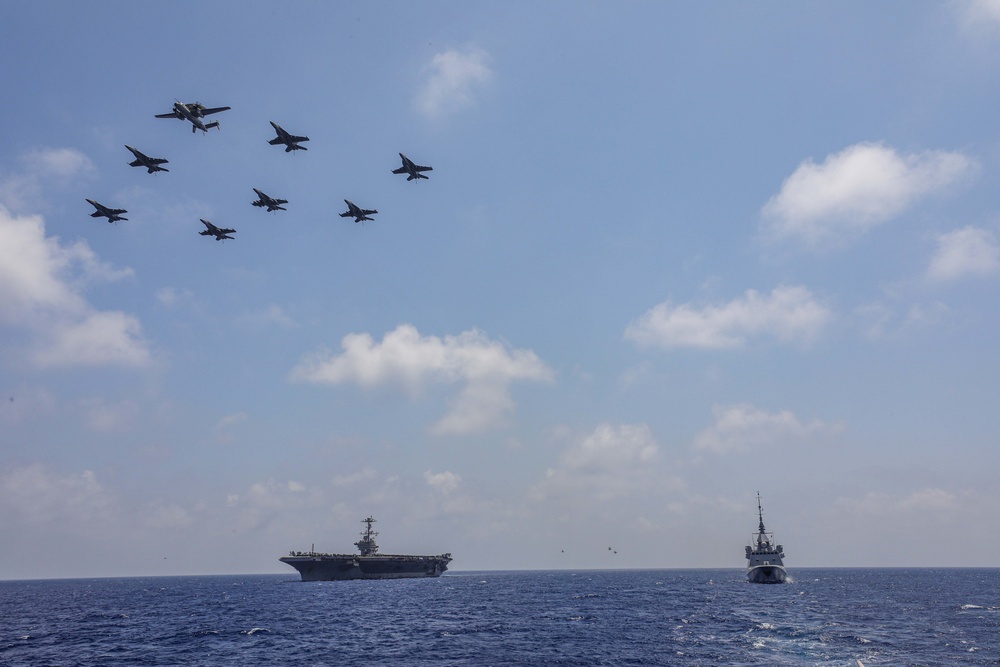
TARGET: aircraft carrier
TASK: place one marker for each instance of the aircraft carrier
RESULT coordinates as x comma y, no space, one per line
367,564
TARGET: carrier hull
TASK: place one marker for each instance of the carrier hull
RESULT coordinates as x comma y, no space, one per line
367,564
340,567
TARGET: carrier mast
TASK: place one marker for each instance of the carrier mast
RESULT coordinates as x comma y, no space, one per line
366,545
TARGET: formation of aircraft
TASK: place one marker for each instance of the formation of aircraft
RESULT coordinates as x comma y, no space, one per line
271,203
112,214
290,141
152,164
217,232
194,113
359,214
412,170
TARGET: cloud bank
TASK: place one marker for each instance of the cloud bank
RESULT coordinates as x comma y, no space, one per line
41,283
43,168
788,313
878,503
452,78
614,461
980,14
445,482
855,190
36,496
744,427
969,251
406,359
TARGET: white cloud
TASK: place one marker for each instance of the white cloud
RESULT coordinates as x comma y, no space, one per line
409,360
979,14
478,405
364,477
856,190
614,461
612,447
969,251
266,502
443,482
223,429
36,496
453,75
743,427
788,313
65,163
881,322
231,420
95,339
41,281
166,516
27,404
106,417
881,504
273,315
43,168
170,297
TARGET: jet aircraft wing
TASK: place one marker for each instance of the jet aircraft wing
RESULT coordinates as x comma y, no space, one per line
112,214
205,112
217,232
411,169
354,211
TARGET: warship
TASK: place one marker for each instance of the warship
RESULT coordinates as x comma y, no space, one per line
367,564
764,557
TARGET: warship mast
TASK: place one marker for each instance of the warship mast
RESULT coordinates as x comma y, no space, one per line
761,533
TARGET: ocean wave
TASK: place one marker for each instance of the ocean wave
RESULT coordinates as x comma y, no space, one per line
510,620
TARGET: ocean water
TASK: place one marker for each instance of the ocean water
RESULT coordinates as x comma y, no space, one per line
613,617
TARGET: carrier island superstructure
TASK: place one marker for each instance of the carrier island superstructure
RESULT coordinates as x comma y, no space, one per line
367,564
764,557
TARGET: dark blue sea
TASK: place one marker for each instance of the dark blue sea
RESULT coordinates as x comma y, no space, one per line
616,617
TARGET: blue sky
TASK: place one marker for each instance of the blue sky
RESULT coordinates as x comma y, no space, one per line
670,255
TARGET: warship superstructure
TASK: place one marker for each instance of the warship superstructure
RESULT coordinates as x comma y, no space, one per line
367,564
764,557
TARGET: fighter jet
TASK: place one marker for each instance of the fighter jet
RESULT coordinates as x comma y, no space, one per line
359,214
150,163
194,113
290,140
112,214
271,203
412,169
212,230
